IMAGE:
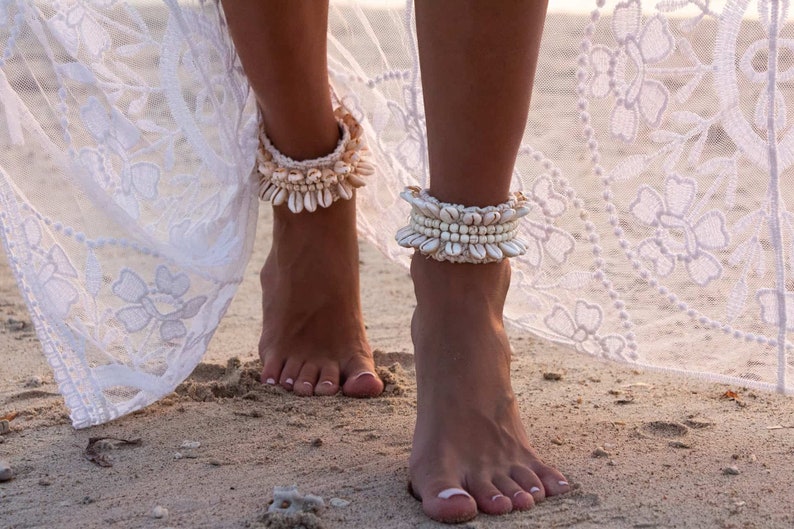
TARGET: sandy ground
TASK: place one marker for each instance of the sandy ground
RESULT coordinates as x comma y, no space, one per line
643,449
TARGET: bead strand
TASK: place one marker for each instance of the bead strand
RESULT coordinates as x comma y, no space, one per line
309,184
460,234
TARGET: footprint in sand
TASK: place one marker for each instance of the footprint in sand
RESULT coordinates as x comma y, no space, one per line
663,430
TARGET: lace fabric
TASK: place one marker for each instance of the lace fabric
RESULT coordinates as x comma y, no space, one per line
654,160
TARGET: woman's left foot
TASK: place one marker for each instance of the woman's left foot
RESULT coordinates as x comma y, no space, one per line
470,452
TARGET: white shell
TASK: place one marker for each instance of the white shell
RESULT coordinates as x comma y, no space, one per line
280,197
355,180
508,215
341,167
295,202
493,251
472,217
491,217
402,232
449,214
345,191
269,192
418,241
266,169
477,251
328,197
453,248
313,175
310,202
280,174
522,211
430,246
433,209
509,249
295,176
365,169
264,188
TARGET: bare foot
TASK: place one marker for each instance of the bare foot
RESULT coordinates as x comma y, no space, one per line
470,450
313,339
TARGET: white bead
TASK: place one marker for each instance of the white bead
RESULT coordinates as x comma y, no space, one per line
462,228
444,226
491,239
453,228
454,237
437,233
444,236
464,239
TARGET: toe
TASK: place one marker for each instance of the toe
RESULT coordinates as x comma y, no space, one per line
554,482
489,498
290,372
307,379
530,482
271,372
449,504
361,380
328,382
521,499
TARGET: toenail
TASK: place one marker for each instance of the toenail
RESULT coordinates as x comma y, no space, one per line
271,381
519,492
289,381
326,383
307,384
370,373
448,493
563,483
533,490
497,496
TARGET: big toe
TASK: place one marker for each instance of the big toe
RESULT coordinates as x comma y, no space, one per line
362,381
449,504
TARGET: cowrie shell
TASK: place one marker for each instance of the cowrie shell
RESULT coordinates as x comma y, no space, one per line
493,251
295,202
280,197
430,246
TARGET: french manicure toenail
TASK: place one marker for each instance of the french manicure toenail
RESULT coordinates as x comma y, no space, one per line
307,384
370,373
271,381
497,496
448,493
289,381
533,490
326,383
563,483
517,493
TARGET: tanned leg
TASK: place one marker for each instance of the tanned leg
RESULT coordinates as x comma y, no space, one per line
313,340
478,61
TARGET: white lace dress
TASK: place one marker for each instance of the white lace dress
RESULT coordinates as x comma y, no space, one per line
656,159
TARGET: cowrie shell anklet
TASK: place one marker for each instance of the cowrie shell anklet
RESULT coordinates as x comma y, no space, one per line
460,234
319,182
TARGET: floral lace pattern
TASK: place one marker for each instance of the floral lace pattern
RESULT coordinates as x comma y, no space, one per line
661,238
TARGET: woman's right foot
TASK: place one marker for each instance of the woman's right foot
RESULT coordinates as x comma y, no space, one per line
313,339
470,450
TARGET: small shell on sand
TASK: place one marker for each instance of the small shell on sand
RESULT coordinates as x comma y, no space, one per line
6,473
159,512
289,500
731,471
189,445
338,502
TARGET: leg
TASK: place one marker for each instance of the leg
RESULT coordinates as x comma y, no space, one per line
313,337
478,64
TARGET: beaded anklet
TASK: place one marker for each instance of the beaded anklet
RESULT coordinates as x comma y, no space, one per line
307,184
459,234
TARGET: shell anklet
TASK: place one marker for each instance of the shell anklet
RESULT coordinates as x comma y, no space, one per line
460,234
309,184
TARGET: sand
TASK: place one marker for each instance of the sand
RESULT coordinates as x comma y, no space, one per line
642,449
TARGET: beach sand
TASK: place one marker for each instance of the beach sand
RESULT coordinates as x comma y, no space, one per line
642,449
